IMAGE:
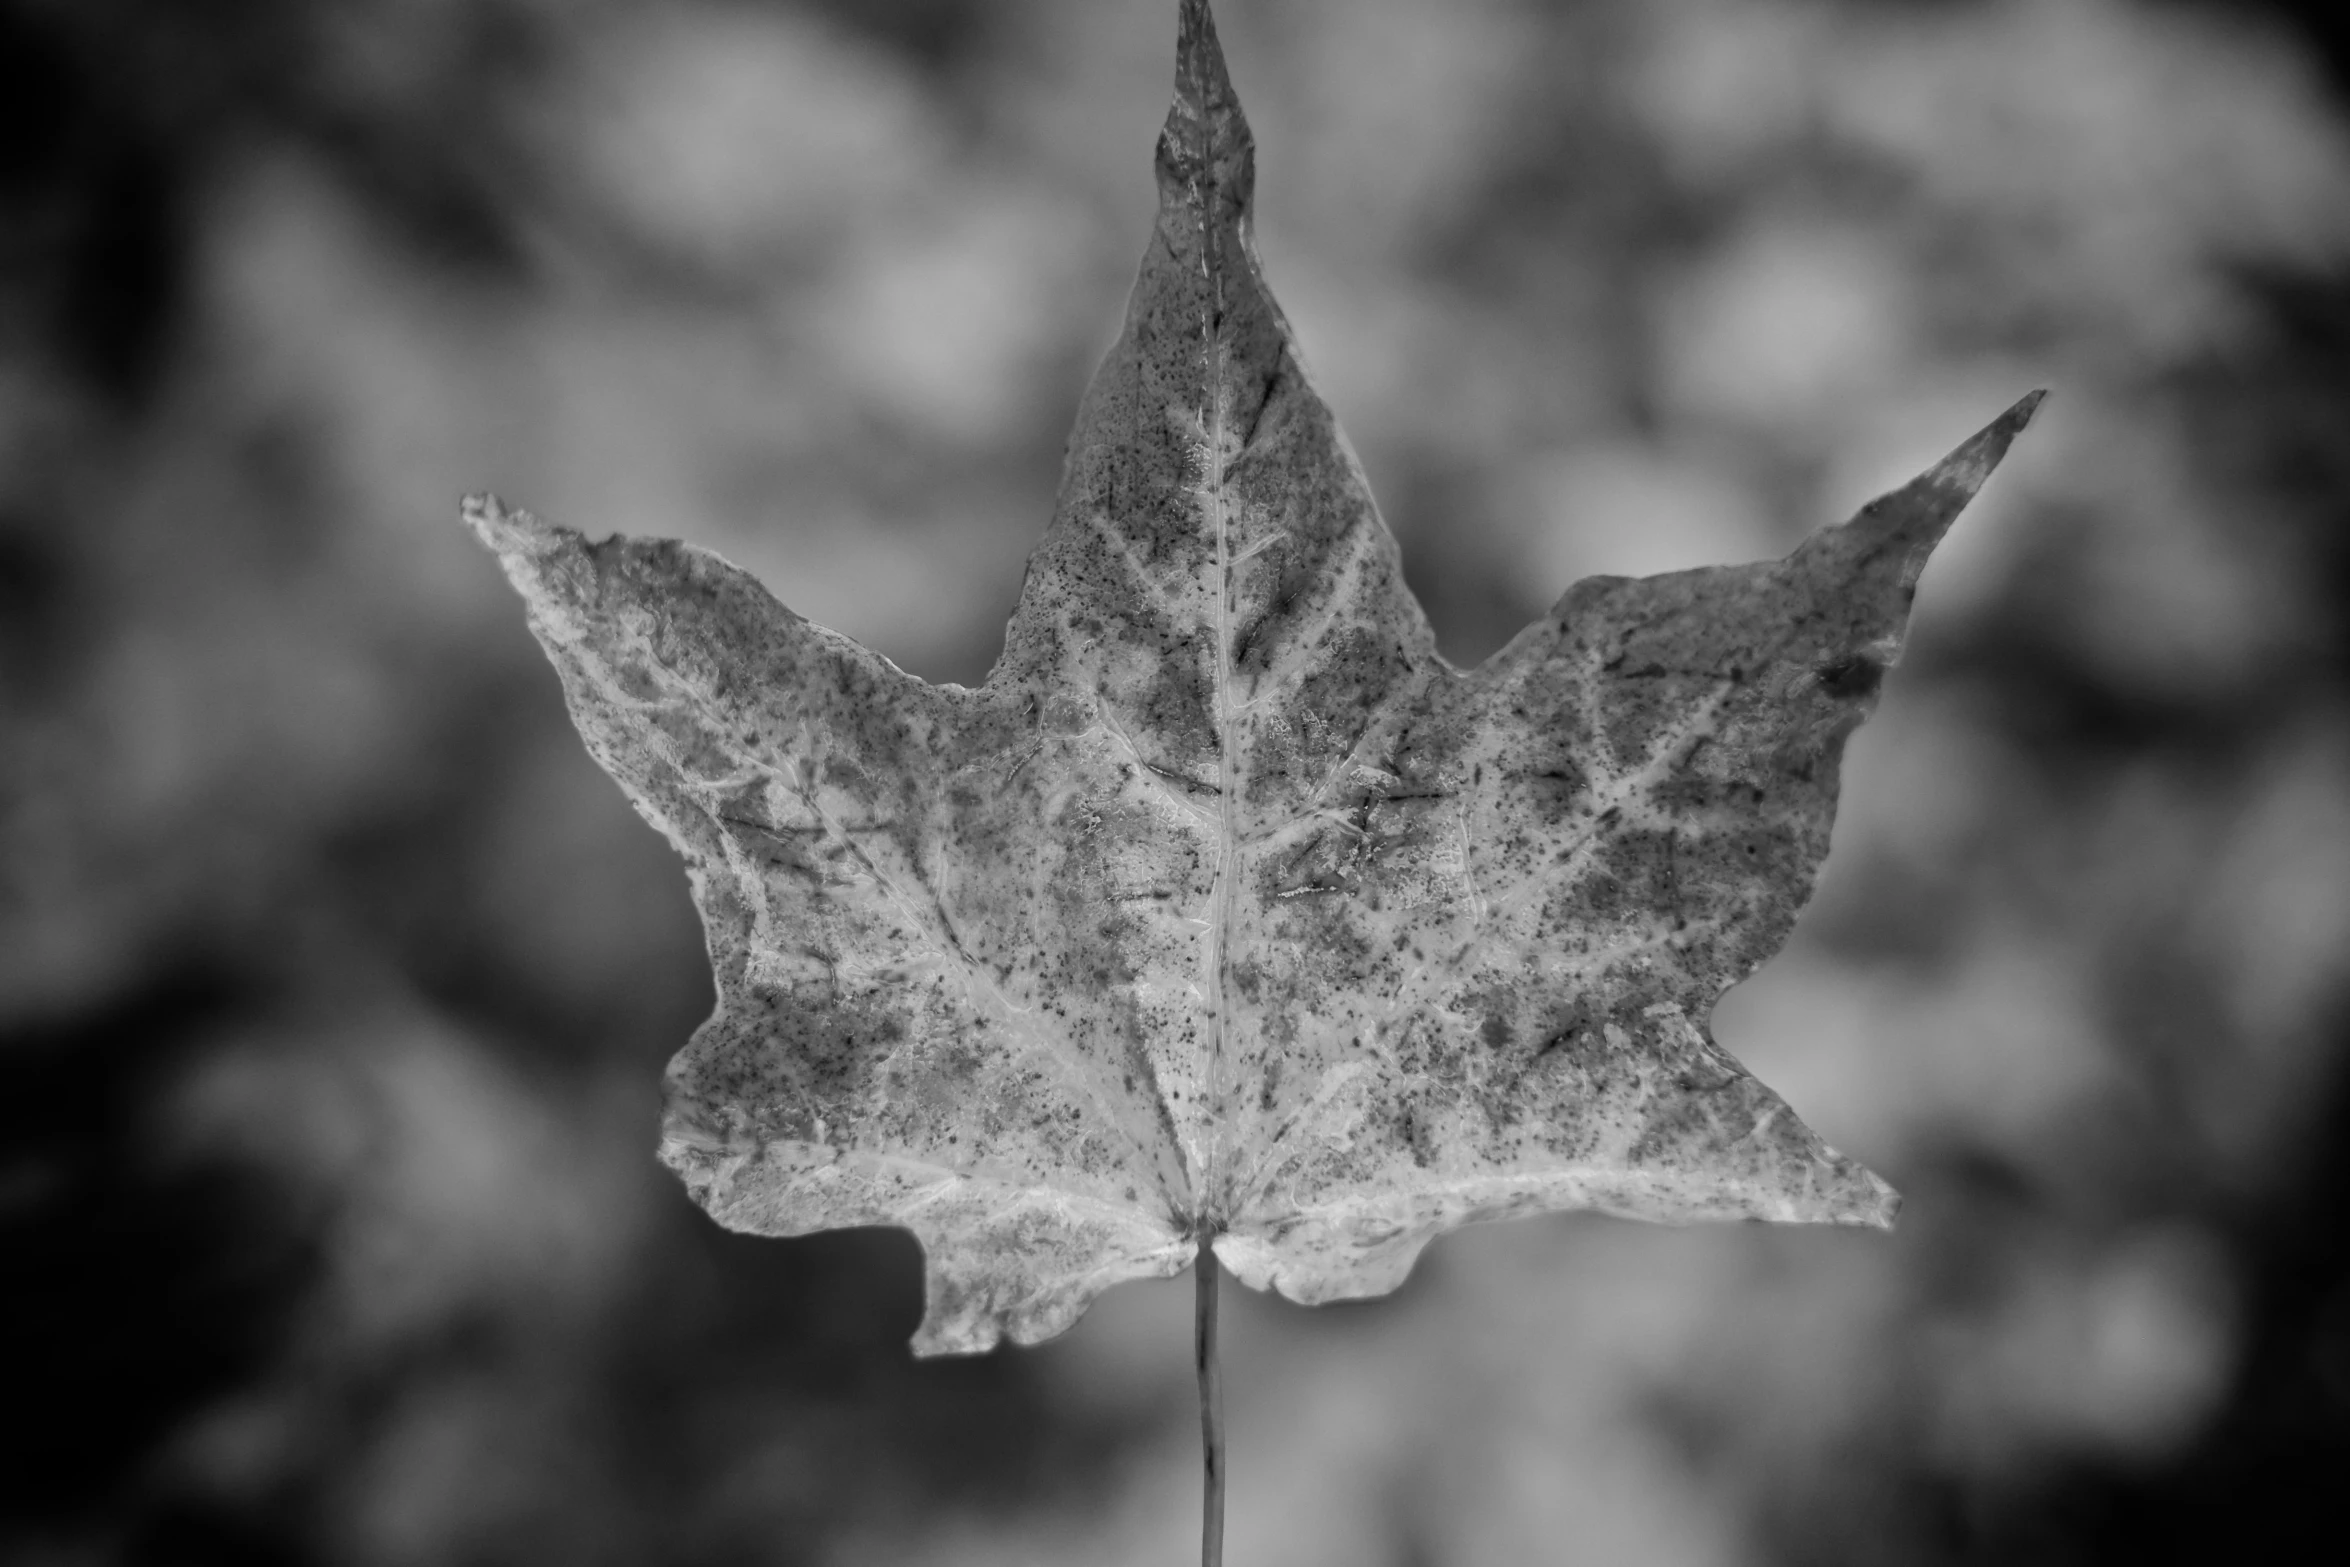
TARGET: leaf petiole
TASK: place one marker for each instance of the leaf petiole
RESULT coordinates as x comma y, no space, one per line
1211,1407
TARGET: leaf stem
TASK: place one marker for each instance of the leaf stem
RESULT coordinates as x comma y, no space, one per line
1211,1408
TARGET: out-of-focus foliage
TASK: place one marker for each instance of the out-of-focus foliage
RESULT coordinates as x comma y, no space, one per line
335,982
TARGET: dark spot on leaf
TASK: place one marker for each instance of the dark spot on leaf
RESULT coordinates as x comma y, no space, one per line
1852,675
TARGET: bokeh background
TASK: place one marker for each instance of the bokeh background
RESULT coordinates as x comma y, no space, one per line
336,982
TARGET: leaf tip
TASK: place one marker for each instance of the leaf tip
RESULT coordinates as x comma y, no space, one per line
483,512
1879,1207
937,1339
1914,517
1842,1191
506,531
2010,424
1201,81
1206,151
1967,468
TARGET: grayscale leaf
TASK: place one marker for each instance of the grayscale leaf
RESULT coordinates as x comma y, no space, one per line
1226,911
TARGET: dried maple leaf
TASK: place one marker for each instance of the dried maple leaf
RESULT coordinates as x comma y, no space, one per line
1226,911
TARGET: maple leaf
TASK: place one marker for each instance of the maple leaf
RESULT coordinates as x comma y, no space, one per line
1226,911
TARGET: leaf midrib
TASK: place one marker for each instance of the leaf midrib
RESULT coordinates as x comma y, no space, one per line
1215,361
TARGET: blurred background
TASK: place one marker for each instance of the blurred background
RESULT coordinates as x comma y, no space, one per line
336,982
